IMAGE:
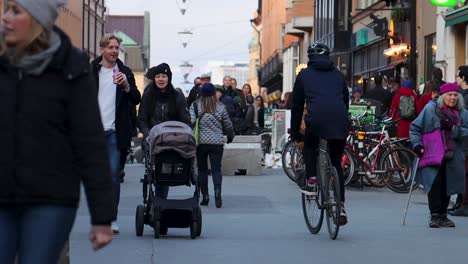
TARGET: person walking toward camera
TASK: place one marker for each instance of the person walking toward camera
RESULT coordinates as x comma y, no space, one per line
116,92
52,138
214,122
436,135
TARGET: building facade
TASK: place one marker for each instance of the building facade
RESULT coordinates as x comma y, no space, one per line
239,71
451,39
93,14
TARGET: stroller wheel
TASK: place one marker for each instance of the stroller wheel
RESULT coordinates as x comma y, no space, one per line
199,222
139,220
194,230
163,230
157,228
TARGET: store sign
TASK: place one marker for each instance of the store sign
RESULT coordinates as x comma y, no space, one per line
447,3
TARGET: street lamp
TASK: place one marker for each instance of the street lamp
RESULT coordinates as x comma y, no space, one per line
183,5
186,68
185,37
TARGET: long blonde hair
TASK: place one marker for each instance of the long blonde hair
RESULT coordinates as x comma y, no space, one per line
38,41
209,103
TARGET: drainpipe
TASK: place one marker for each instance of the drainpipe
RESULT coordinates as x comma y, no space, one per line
95,26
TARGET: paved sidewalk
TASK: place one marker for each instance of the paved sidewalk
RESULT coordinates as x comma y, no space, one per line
261,222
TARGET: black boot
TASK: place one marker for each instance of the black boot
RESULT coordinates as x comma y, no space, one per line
457,204
435,221
218,200
205,200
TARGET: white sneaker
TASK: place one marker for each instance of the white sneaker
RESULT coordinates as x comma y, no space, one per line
115,228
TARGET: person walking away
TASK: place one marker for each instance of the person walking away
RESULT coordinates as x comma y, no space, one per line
213,123
431,91
249,125
161,102
194,93
403,108
260,105
378,93
52,138
461,206
436,135
116,91
322,87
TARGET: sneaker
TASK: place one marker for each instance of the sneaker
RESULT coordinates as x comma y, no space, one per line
343,216
311,187
434,221
115,228
445,222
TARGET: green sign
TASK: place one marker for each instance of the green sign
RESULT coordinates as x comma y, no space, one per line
447,3
357,110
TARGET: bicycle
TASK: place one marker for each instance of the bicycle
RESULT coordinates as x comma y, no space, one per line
327,199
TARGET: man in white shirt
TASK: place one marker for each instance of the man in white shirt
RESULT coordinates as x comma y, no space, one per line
116,91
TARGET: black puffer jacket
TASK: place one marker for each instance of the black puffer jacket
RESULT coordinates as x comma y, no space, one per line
157,107
52,137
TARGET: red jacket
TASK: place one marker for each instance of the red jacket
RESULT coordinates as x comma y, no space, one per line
403,126
425,98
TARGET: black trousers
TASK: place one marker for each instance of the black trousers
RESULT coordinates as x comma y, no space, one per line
437,196
336,148
215,154
123,157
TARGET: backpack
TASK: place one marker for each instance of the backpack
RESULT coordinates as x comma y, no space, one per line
407,108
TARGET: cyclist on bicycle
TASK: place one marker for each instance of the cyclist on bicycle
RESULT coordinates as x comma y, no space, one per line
322,87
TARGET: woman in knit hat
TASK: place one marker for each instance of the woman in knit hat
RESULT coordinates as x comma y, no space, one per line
52,138
436,135
161,102
213,123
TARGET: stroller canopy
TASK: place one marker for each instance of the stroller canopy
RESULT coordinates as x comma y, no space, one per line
172,135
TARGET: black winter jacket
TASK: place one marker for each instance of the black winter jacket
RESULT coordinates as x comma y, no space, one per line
52,137
123,115
155,109
323,88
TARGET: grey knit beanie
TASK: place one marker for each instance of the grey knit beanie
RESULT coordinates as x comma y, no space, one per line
44,11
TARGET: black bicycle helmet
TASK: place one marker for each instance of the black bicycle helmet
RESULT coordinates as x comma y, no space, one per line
318,48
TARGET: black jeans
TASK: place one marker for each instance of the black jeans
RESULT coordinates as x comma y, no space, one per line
336,148
437,196
215,154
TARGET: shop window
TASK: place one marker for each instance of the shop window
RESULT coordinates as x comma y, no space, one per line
430,49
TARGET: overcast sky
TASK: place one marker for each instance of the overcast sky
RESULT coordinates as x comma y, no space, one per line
221,31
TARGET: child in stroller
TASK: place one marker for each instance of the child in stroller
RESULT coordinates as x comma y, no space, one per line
169,155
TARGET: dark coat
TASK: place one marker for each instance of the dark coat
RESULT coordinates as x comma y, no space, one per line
194,94
323,88
52,137
123,118
380,94
156,108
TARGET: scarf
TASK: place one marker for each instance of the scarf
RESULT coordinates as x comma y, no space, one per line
454,116
37,63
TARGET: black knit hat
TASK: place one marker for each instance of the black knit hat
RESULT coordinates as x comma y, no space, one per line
161,68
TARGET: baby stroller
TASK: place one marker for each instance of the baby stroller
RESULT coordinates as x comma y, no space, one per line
169,155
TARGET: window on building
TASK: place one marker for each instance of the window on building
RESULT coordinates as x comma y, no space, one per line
430,49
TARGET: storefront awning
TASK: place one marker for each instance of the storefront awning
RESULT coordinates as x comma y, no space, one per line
456,16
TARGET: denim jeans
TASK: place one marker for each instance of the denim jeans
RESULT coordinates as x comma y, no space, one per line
36,234
215,154
114,158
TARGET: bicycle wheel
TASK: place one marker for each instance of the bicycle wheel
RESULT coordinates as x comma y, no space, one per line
312,210
397,164
347,163
332,201
286,159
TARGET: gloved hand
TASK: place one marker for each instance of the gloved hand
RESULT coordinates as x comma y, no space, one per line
419,150
446,124
230,139
297,136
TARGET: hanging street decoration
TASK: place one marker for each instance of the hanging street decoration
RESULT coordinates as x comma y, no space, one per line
185,37
183,5
186,68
